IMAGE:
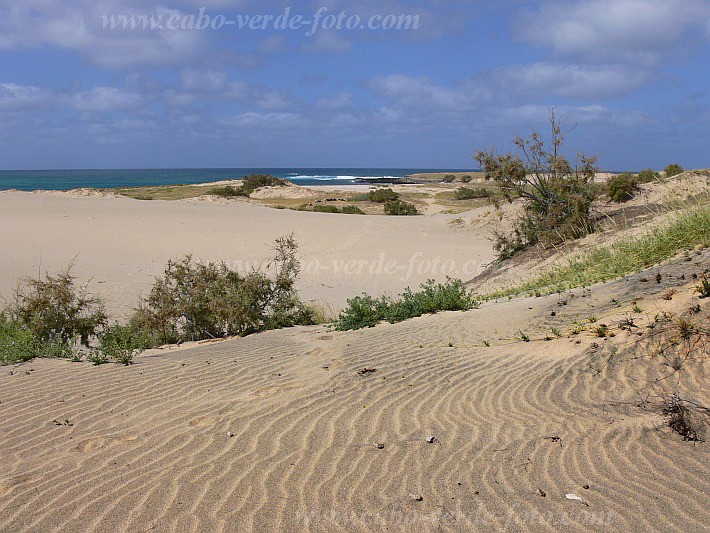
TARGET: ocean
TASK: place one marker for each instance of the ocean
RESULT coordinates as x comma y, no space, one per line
59,180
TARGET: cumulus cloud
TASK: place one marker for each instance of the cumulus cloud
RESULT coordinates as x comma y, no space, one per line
17,98
612,30
563,79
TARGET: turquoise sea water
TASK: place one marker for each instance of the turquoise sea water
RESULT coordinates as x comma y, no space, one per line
28,180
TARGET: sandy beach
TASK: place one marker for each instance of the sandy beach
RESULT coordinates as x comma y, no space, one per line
122,244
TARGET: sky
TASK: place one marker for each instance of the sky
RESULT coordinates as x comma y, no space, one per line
347,90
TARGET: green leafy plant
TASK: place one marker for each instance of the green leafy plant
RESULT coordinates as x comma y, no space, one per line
366,311
622,187
648,175
557,197
673,170
449,178
466,193
195,301
55,310
122,343
382,196
399,208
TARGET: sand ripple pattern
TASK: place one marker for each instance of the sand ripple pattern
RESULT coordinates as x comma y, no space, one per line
148,447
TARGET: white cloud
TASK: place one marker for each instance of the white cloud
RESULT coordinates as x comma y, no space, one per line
105,99
561,79
419,92
17,98
77,25
612,30
201,81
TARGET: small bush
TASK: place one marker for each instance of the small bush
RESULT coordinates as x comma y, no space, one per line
557,196
382,196
321,208
16,344
195,301
122,343
54,310
352,210
249,185
398,208
704,288
256,181
648,176
466,193
227,191
365,311
673,170
467,178
683,420
448,178
621,188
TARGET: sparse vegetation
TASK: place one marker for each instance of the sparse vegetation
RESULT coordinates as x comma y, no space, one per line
122,343
195,301
55,310
685,230
227,191
365,311
467,193
449,178
704,288
622,187
382,196
249,185
328,208
673,170
399,208
648,175
558,198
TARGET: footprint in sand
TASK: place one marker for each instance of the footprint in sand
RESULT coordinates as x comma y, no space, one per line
6,485
97,443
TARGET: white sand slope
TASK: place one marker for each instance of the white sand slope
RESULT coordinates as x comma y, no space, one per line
123,244
517,426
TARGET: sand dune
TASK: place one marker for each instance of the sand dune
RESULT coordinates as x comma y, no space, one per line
275,432
123,244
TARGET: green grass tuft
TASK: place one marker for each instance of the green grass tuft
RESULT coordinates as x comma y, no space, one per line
686,230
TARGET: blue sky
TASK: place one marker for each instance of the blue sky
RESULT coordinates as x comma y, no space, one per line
630,75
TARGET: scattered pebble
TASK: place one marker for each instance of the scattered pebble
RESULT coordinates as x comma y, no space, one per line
378,445
415,497
572,496
586,487
364,371
542,492
431,439
230,434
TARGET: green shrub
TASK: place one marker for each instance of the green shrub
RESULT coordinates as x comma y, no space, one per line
360,197
449,178
320,208
352,210
256,181
648,175
195,301
467,178
382,196
122,343
54,310
621,188
398,207
673,170
557,197
366,311
249,185
17,344
227,191
466,193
